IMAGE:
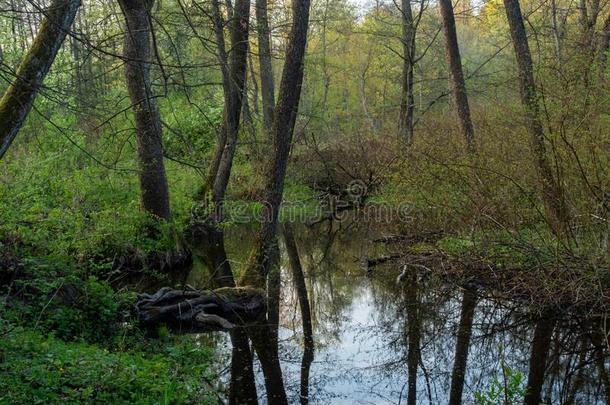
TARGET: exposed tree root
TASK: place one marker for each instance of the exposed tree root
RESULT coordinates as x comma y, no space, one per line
192,311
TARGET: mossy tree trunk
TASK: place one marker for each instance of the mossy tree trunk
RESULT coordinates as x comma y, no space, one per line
18,99
138,57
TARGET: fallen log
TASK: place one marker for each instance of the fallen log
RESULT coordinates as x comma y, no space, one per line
367,264
194,311
411,239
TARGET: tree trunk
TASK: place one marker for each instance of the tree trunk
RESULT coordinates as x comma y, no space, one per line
234,69
138,55
18,99
469,303
604,47
194,311
239,29
538,360
407,100
325,71
77,77
588,21
557,33
223,60
552,191
454,60
283,128
265,61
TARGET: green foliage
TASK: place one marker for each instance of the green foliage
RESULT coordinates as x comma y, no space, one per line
190,136
69,306
455,246
45,370
94,314
525,248
68,207
510,391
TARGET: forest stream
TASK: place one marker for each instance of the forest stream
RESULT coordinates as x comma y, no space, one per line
304,202
363,325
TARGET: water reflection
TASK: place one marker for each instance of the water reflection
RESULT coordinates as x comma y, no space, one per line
379,341
300,287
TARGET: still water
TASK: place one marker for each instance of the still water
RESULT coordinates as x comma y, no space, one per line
371,331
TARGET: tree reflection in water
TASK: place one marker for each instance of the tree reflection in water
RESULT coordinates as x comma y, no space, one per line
424,340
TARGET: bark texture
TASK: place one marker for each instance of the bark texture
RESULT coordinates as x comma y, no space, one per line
454,60
18,99
552,191
138,56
